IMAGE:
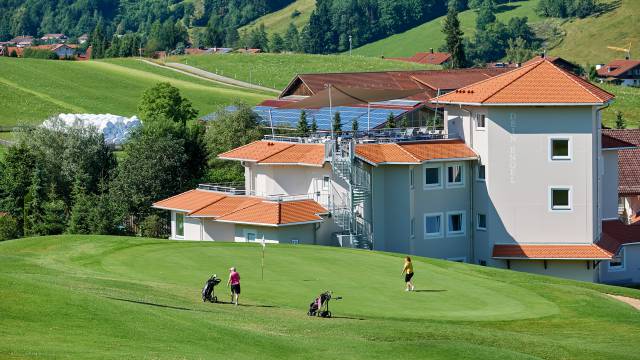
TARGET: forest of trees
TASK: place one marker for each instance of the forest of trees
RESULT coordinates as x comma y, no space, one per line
77,17
120,28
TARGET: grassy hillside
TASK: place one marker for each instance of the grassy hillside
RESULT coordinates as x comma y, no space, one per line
31,90
278,21
112,298
587,39
276,70
429,35
627,101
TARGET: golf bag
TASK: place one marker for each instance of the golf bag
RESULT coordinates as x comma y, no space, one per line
207,290
320,306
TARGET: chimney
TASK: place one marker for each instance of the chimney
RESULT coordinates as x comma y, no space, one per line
431,50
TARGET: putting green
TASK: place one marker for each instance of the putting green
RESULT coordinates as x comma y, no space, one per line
97,297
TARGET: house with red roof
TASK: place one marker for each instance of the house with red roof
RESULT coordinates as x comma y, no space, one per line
426,58
621,72
520,177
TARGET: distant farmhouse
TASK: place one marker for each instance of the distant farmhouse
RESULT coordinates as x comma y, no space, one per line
83,39
22,41
621,72
560,62
518,175
54,38
426,58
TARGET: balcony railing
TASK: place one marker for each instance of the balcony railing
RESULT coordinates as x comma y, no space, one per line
239,190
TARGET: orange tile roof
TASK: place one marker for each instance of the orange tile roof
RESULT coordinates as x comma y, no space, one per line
225,206
548,252
189,201
414,153
243,209
432,58
276,152
277,213
540,82
617,68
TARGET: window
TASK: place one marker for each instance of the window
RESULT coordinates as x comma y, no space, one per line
482,222
325,182
433,225
432,177
455,175
455,223
482,173
251,237
560,198
617,262
412,229
179,224
480,121
411,175
560,148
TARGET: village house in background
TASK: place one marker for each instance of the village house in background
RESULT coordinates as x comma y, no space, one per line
518,175
54,38
620,72
426,58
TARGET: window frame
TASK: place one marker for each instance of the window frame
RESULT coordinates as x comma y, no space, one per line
569,207
569,156
454,185
484,121
326,182
622,255
440,232
478,227
478,178
412,228
463,226
182,216
440,184
412,177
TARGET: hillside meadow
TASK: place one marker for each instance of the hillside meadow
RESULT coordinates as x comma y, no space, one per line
99,297
32,90
277,70
429,35
278,21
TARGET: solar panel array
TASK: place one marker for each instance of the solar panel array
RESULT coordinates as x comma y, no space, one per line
324,118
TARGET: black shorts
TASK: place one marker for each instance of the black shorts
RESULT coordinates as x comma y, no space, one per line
235,289
407,277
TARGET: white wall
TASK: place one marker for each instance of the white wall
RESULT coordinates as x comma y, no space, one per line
629,275
268,180
515,149
575,270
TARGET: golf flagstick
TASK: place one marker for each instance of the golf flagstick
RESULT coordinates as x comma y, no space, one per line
262,266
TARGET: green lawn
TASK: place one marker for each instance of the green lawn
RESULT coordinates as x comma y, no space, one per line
278,21
276,70
95,297
429,35
31,90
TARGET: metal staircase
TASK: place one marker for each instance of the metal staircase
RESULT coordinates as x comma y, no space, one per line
356,229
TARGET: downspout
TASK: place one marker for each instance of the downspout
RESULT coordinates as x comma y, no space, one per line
472,214
599,142
315,233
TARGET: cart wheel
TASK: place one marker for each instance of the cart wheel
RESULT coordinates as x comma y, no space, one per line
215,299
328,314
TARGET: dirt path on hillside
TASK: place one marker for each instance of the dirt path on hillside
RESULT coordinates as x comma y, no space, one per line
631,301
206,75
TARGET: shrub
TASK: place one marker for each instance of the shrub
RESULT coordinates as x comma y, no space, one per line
8,228
153,226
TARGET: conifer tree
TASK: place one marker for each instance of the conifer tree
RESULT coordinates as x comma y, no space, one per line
454,42
314,125
391,121
303,125
337,123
